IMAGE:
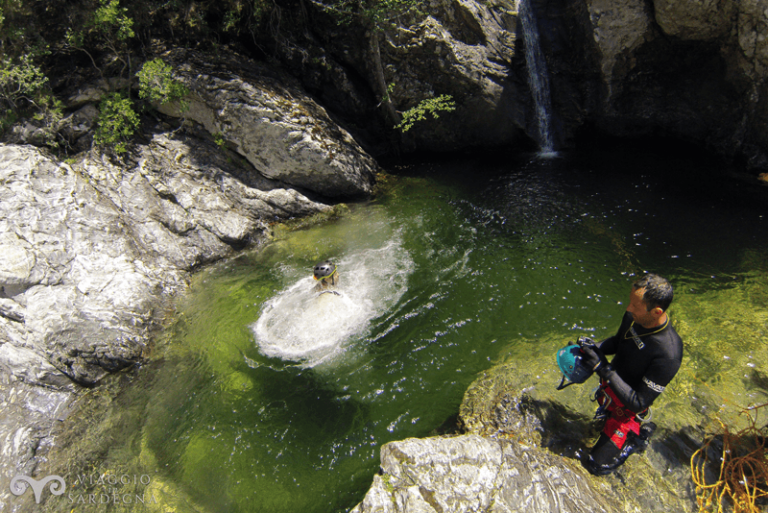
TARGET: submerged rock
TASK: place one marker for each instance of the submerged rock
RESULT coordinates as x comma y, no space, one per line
28,413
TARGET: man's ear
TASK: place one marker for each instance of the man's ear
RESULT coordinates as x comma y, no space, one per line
657,311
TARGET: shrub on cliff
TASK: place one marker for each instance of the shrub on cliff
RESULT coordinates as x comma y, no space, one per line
156,84
117,122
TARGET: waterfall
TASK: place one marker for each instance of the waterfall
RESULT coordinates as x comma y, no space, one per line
538,79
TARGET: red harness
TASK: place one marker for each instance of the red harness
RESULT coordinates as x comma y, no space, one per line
621,420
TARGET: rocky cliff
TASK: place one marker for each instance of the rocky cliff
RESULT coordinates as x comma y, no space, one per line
689,70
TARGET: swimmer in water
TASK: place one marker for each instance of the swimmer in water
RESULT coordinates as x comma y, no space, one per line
326,275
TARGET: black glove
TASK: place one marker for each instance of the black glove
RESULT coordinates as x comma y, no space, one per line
593,357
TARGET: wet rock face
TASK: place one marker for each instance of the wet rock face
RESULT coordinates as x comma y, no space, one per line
694,20
691,70
270,121
465,49
28,413
76,296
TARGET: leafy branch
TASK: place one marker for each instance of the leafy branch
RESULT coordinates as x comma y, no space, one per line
433,106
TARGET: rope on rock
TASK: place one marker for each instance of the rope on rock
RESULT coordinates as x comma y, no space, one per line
743,468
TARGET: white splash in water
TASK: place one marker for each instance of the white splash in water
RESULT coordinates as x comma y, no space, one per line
301,325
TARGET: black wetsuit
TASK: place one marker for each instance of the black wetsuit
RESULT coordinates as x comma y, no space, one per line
642,369
646,361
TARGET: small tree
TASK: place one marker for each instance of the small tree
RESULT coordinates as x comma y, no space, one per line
110,28
24,90
21,83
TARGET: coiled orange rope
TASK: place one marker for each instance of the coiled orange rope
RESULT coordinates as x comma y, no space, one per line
743,472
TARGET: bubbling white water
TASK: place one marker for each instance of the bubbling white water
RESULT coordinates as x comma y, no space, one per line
302,325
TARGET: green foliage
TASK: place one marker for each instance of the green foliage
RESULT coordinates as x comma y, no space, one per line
111,21
50,113
380,14
20,82
7,119
117,122
231,19
390,90
212,19
24,90
14,22
219,140
109,28
433,106
156,84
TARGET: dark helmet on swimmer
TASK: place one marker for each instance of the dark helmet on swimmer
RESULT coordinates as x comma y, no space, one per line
570,359
324,270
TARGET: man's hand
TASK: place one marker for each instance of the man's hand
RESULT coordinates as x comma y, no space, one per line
593,357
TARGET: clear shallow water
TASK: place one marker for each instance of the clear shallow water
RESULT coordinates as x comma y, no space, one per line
264,397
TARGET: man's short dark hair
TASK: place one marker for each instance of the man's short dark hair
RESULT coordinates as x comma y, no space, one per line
658,291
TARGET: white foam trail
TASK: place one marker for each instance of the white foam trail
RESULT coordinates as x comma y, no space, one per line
300,325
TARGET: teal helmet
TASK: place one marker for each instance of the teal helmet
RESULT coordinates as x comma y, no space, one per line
570,359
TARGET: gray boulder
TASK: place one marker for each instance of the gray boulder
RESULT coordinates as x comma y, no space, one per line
268,119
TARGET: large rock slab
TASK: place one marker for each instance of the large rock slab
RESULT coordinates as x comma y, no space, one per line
465,49
619,29
77,296
471,473
267,118
707,19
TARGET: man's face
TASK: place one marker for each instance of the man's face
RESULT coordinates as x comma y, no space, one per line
638,310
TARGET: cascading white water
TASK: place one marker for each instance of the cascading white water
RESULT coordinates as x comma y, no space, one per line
304,326
538,78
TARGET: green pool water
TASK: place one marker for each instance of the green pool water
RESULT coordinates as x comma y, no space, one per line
263,397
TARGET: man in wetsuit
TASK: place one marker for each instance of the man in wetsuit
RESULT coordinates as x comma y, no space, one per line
648,355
